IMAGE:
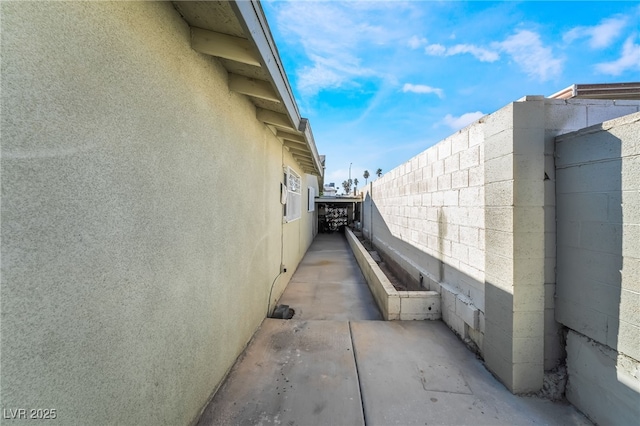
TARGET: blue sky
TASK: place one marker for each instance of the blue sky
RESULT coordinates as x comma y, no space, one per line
382,81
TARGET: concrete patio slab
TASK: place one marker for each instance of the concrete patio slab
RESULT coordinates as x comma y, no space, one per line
420,373
328,284
292,373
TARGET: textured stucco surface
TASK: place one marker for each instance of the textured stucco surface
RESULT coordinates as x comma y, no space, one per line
141,218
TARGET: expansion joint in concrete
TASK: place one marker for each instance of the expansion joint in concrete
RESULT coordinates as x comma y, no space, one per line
355,361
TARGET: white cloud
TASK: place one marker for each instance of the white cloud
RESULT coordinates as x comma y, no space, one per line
422,89
630,60
457,123
601,35
535,59
480,53
336,37
435,50
415,42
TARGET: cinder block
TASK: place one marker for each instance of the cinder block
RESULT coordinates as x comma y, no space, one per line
529,245
444,182
476,133
528,377
481,322
476,176
452,163
460,141
498,121
529,325
467,312
528,271
499,219
587,147
460,252
444,149
589,178
451,197
606,237
623,336
528,350
458,325
529,219
597,114
599,384
627,102
528,192
470,197
528,297
496,363
530,167
498,347
582,319
499,193
498,270
630,172
460,179
498,145
630,307
499,169
529,141
437,168
585,206
477,258
432,154
470,157
499,242
565,117
469,236
426,306
630,275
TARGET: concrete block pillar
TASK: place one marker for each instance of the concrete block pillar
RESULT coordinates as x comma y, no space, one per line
514,232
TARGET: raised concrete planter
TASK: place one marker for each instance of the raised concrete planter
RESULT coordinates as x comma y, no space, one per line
394,304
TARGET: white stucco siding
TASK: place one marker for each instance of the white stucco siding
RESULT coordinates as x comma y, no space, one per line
141,215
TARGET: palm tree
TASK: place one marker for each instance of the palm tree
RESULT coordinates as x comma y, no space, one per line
347,186
365,176
355,186
379,172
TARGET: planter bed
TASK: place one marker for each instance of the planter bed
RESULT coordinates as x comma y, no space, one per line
394,304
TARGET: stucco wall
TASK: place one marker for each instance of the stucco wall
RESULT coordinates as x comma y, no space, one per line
141,218
598,245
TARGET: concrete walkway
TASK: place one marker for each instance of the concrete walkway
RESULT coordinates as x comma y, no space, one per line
336,363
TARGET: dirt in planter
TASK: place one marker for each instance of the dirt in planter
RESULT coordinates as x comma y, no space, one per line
397,283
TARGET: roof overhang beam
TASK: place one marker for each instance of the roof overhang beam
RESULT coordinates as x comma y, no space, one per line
252,87
224,46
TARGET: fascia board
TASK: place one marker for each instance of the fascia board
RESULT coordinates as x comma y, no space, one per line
253,21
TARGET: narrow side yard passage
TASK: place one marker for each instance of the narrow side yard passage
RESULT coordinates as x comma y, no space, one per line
335,363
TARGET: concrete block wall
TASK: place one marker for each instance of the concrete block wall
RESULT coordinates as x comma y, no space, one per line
514,216
475,215
428,217
561,117
598,266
